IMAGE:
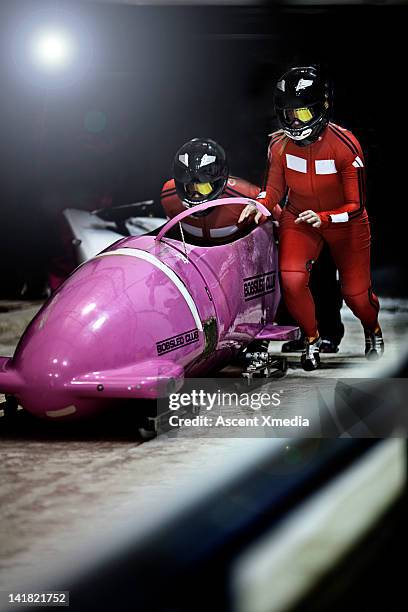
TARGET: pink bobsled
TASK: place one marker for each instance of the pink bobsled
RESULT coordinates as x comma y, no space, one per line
137,318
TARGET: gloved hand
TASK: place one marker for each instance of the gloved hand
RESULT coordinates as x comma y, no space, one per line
309,216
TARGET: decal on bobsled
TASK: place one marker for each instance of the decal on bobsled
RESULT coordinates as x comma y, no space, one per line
172,344
259,285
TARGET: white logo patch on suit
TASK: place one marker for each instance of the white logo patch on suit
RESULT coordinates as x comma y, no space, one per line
325,166
357,163
296,163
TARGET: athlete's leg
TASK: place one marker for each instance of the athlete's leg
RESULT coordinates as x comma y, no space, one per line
350,246
326,293
299,247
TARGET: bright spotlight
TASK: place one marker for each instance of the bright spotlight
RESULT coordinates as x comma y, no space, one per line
52,50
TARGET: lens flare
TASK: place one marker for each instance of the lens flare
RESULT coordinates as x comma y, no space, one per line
52,49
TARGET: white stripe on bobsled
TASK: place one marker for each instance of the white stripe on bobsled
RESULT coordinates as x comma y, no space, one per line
138,254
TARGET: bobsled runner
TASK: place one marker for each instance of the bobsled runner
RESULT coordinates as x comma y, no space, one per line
135,319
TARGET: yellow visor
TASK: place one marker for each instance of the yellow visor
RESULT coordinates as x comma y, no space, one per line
303,114
203,188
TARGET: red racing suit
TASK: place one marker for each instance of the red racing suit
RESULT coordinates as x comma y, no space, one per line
327,177
221,223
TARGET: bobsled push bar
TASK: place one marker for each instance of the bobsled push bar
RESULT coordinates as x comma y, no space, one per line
199,207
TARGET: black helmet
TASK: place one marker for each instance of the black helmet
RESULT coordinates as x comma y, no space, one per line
302,103
200,171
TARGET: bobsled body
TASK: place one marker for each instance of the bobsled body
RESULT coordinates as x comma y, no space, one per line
136,319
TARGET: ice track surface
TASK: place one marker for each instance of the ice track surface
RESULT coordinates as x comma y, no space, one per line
57,489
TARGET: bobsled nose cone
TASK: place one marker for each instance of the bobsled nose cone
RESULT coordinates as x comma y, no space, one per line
43,382
121,320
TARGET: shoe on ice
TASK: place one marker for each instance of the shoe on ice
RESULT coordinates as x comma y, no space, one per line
328,346
374,344
310,359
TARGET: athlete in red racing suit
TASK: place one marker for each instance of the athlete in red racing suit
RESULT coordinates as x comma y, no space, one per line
201,174
324,173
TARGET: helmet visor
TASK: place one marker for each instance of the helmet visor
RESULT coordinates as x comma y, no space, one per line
197,190
298,116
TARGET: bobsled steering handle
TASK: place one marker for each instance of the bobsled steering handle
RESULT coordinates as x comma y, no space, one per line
199,207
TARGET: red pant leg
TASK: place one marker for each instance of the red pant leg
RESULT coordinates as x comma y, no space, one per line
299,246
350,246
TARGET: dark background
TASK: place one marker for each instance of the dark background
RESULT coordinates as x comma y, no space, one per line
148,78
